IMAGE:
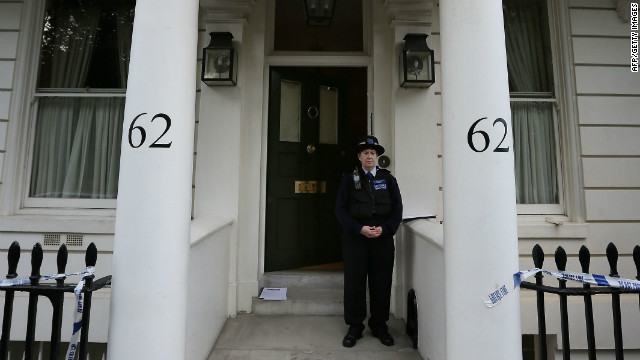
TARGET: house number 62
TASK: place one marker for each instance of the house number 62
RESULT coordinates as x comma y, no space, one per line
143,134
485,136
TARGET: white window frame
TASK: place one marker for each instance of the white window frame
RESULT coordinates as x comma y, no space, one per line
546,209
570,207
33,204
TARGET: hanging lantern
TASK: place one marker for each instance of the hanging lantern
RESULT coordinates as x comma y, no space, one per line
416,63
319,12
219,60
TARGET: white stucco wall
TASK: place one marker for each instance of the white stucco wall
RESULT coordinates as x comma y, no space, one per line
422,264
208,278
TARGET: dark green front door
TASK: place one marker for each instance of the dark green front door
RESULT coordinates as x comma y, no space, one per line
305,160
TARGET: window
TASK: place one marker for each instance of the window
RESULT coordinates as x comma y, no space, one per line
82,78
533,107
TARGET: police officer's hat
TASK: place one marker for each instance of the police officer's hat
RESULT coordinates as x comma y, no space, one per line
369,142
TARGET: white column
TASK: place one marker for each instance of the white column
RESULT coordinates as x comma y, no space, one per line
149,295
480,219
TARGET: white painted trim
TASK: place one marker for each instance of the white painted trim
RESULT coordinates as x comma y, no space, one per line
246,291
121,94
17,133
32,202
232,299
540,209
429,230
572,175
68,223
263,164
205,226
551,228
409,13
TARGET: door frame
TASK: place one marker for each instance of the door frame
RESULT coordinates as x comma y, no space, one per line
310,61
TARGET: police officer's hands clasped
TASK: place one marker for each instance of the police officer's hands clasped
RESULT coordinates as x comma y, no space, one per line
371,231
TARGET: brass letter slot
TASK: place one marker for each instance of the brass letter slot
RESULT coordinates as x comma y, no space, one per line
310,187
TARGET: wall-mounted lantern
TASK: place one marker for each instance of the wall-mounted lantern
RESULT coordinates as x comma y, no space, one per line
416,63
319,12
219,60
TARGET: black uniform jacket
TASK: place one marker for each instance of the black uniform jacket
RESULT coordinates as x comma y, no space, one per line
384,196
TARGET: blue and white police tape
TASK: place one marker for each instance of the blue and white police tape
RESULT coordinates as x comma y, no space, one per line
497,296
26,281
593,279
77,322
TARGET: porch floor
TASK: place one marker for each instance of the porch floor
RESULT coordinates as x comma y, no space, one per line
308,337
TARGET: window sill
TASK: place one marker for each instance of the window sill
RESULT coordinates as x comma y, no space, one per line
551,227
93,204
40,223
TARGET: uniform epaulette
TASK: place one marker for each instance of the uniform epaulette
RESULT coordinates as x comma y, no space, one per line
384,170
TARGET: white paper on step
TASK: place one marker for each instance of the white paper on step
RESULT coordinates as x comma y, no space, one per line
274,294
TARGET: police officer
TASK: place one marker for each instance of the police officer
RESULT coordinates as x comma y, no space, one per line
369,209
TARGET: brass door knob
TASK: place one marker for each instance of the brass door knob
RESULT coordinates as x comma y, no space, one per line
311,148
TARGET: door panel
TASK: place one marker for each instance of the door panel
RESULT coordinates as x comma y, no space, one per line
305,161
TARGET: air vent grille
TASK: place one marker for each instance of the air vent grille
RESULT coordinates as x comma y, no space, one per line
51,240
74,239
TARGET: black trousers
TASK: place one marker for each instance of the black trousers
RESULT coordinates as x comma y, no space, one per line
367,259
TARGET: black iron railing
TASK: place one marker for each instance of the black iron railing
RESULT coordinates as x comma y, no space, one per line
586,291
55,294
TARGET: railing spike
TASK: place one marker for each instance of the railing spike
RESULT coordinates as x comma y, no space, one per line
13,258
538,256
612,257
585,258
36,263
636,260
91,256
561,264
63,255
561,259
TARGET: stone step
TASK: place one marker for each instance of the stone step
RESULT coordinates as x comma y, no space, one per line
303,279
261,337
308,293
302,301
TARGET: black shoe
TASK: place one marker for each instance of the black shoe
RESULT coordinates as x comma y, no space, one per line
385,337
350,339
